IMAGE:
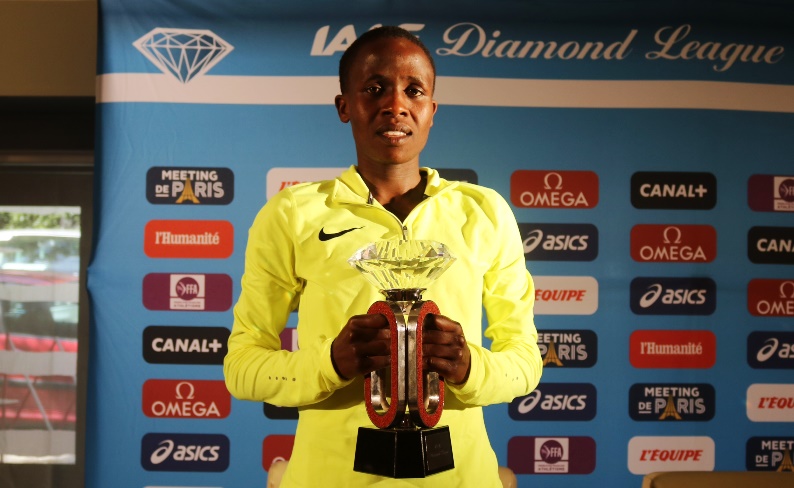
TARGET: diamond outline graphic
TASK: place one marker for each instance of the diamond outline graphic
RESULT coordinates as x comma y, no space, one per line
183,53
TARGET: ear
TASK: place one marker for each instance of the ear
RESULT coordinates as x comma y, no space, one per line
341,108
435,109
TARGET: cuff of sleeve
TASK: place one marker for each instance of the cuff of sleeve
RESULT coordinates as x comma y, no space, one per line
332,379
476,375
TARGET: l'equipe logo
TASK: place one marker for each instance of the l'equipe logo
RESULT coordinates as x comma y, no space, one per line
652,454
566,295
770,403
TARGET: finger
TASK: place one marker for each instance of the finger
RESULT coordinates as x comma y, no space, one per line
440,337
443,323
371,348
369,321
443,367
430,351
375,363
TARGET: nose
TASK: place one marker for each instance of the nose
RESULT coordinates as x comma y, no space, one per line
395,103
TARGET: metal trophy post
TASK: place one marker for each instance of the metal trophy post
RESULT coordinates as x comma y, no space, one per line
406,444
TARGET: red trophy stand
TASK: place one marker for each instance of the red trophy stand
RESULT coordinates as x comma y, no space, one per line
404,403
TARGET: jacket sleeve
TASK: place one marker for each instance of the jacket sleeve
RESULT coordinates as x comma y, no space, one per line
513,365
255,366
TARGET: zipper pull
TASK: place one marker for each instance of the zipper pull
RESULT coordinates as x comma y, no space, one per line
405,233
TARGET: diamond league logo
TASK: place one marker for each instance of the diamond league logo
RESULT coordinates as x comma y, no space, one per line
183,53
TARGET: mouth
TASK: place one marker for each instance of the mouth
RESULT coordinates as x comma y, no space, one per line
394,132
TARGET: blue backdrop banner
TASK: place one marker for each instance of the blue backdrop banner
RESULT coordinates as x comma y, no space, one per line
648,161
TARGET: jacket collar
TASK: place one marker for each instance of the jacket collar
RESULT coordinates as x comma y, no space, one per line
349,187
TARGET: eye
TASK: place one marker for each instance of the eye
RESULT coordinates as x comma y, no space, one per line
412,91
373,89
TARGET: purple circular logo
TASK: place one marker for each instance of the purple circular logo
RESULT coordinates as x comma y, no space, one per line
551,451
786,190
187,288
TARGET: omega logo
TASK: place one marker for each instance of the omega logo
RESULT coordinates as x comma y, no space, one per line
667,239
546,184
190,388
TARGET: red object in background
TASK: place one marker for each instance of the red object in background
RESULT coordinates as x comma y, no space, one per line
276,448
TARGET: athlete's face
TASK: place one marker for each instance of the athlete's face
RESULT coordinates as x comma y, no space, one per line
388,101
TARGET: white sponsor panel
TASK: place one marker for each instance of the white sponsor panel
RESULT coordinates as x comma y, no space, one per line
280,178
566,295
648,454
770,403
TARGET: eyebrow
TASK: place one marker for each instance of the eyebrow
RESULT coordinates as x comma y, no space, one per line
413,79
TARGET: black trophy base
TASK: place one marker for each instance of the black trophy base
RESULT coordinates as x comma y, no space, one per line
398,453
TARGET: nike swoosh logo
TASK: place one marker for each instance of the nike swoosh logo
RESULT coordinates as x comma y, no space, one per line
327,237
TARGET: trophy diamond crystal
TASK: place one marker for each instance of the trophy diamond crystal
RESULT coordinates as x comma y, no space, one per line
404,403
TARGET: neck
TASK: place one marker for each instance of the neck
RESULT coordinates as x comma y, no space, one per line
398,188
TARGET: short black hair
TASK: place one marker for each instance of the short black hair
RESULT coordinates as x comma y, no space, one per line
385,32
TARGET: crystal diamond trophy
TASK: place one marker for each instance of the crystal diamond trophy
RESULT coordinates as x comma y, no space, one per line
404,403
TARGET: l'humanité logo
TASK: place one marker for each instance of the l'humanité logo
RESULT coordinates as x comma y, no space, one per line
188,239
183,53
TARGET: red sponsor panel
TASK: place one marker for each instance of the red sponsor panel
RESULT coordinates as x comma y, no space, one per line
187,292
188,239
188,399
771,193
276,448
771,298
673,243
673,349
554,189
551,455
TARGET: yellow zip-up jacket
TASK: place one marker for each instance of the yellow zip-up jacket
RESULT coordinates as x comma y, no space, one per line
297,253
